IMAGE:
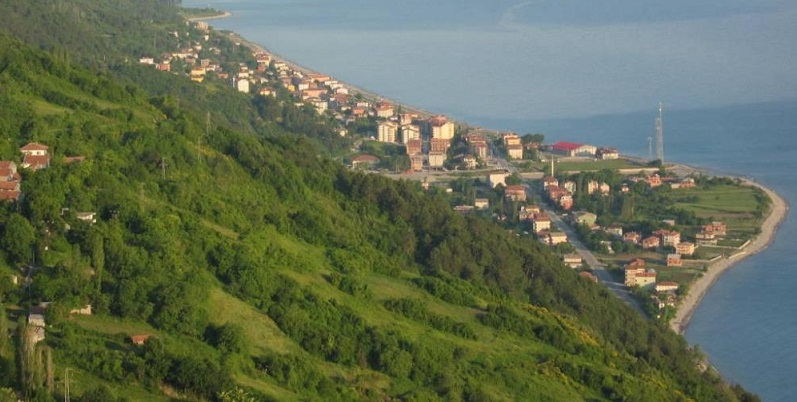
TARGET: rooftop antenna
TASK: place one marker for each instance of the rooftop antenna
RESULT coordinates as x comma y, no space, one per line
660,134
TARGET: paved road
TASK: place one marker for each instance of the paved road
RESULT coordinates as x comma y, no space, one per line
597,267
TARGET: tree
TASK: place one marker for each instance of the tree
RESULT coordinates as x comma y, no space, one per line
514,179
18,238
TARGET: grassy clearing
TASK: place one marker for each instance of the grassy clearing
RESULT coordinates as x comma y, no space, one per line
720,202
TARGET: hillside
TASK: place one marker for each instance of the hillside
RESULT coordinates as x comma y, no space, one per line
260,268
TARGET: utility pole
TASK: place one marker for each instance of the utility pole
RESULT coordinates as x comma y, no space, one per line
163,167
66,384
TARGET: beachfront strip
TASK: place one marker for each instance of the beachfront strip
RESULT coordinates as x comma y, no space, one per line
435,143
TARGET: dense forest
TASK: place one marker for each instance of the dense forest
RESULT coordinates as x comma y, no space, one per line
256,266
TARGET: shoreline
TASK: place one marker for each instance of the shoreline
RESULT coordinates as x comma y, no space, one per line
224,14
697,290
777,214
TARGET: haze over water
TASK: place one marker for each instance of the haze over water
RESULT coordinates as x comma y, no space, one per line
594,72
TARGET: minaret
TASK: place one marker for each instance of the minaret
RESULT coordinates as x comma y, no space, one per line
660,135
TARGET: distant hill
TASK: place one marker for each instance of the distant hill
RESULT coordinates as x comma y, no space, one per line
258,268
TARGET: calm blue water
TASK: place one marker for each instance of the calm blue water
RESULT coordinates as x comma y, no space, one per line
595,72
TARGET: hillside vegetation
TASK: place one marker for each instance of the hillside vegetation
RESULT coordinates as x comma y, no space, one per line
260,268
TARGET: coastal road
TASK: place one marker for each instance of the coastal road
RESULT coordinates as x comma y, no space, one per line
596,266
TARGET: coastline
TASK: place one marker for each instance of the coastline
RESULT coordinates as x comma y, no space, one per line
224,14
698,289
777,214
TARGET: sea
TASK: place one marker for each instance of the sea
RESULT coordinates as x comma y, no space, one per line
595,72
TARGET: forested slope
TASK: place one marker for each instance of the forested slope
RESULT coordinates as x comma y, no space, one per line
262,268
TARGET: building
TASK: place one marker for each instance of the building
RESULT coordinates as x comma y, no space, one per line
410,132
139,340
515,193
632,237
439,145
35,156
669,238
573,149
705,239
650,242
497,178
384,110
685,248
549,181
439,127
514,151
615,230
416,162
386,131
589,276
572,260
716,228
414,147
437,159
242,85
636,275
552,238
584,218
607,153
10,181
364,161
667,286
674,260
540,222
653,180
481,203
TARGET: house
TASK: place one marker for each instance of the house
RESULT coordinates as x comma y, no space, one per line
386,131
555,238
685,183
384,110
588,276
607,153
481,203
566,201
139,340
570,186
515,193
584,218
573,149
572,260
614,230
10,181
632,237
650,242
653,180
85,310
463,209
549,181
416,162
685,248
363,161
666,286
35,156
470,161
514,151
89,217
706,239
497,178
674,260
716,228
636,275
540,222
669,238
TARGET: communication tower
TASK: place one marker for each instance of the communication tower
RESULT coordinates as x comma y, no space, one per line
660,135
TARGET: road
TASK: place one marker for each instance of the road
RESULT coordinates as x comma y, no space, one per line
619,289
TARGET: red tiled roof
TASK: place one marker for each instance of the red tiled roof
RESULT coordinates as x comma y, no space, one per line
566,146
364,158
36,161
9,195
139,339
34,146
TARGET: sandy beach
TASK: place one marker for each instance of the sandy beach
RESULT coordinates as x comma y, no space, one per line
778,211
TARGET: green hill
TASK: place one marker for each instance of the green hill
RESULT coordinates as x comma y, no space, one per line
262,269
